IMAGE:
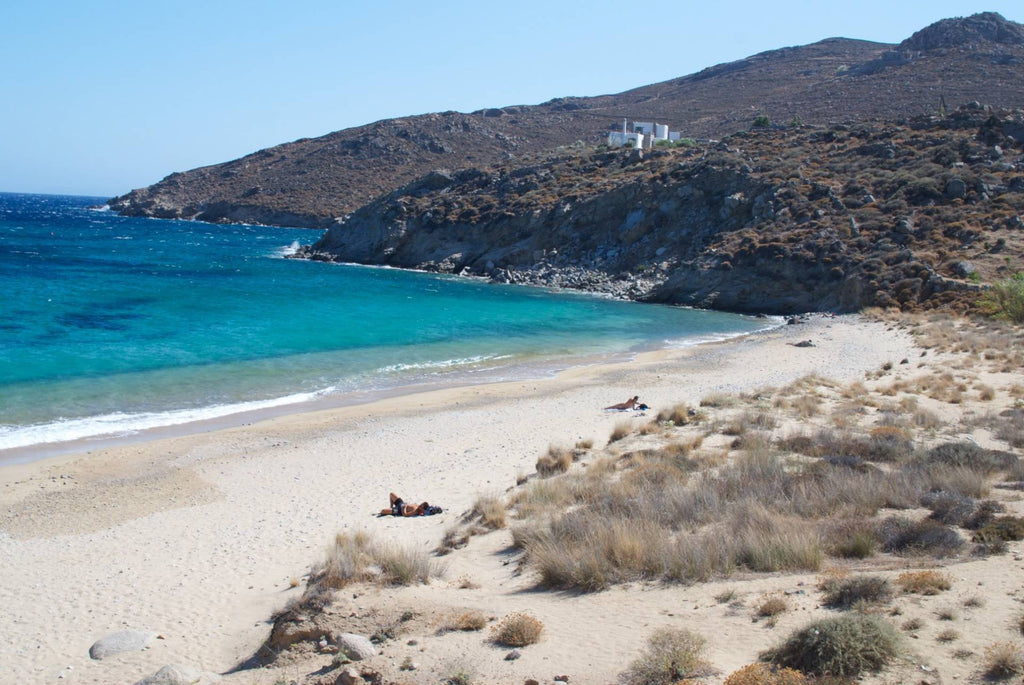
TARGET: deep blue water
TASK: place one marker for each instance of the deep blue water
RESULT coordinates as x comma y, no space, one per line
111,324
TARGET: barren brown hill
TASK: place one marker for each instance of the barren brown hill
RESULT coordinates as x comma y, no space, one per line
782,220
310,182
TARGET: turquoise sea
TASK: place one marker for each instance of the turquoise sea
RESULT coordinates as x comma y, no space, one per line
111,325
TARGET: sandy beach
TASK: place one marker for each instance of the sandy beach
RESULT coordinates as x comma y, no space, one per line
202,538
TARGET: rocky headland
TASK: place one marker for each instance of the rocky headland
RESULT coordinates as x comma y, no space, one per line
312,181
778,219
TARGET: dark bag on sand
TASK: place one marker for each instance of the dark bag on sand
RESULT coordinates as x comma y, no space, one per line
431,510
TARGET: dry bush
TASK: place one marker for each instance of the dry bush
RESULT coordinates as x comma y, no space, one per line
621,430
1003,528
924,582
852,538
971,456
679,415
466,621
359,558
974,602
671,655
845,593
947,613
1010,428
948,635
844,646
719,400
517,630
773,605
765,674
986,393
905,537
1003,660
555,460
584,444
912,624
924,418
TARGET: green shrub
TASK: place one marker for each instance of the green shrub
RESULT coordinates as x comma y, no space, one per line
1005,299
762,121
846,645
1005,528
672,654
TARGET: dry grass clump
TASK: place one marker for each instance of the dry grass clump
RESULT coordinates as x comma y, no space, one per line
490,511
719,400
517,630
765,674
852,538
924,582
1010,428
671,655
912,624
948,635
842,646
845,593
1003,660
555,460
466,621
359,558
679,415
621,430
772,605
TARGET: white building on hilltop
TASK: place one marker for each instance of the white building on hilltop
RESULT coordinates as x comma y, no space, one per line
648,132
625,138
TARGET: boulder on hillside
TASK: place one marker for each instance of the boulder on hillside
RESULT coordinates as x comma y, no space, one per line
355,647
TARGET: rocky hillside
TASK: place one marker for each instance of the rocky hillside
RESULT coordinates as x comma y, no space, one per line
310,182
780,219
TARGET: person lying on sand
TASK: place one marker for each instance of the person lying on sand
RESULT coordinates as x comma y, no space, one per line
400,508
628,405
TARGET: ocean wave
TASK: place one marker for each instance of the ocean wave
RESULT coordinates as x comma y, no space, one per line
443,364
287,250
120,424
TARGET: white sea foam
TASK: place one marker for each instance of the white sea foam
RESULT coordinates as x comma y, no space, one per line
287,250
443,364
122,424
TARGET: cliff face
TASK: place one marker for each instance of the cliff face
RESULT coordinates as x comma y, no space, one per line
780,220
310,182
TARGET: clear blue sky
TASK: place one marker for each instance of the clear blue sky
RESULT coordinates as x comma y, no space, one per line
97,98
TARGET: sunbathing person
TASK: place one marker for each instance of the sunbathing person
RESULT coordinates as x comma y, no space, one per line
400,508
628,405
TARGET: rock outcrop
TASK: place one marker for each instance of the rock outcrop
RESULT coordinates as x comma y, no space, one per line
781,220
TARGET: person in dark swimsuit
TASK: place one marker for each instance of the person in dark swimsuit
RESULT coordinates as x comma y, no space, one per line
400,508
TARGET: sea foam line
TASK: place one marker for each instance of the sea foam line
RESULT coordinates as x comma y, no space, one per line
121,424
444,364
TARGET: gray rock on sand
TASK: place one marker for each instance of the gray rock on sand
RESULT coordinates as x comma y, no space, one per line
349,676
121,641
355,647
179,674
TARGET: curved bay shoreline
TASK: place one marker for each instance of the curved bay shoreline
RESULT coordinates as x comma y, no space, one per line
199,536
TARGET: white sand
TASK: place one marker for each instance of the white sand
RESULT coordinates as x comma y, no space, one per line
197,537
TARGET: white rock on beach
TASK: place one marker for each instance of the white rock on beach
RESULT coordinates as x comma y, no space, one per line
179,674
121,641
